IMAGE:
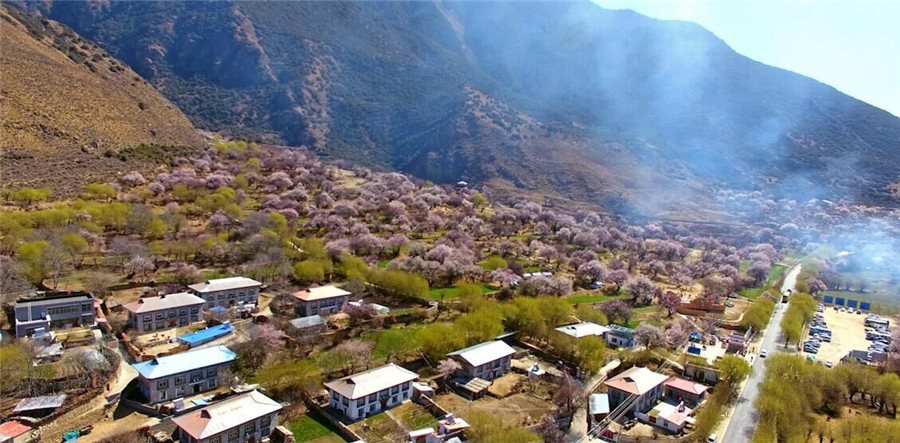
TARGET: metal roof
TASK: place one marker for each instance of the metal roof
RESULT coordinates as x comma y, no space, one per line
45,402
637,380
13,429
161,302
583,329
75,297
226,414
369,382
484,352
184,362
307,322
224,284
599,403
208,333
320,293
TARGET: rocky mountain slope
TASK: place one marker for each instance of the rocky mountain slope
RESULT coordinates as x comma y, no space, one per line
66,102
559,99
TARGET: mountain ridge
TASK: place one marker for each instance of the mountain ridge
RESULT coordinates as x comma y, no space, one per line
390,84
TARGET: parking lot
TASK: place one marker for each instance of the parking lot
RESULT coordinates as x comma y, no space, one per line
848,332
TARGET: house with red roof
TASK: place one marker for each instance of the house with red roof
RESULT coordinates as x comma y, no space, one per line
681,390
15,432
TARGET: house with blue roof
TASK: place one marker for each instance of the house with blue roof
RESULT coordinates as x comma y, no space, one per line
187,373
206,335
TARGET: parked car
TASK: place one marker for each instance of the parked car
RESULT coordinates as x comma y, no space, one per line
729,304
763,353
713,438
811,350
829,364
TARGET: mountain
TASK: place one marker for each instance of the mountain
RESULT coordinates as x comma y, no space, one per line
65,103
556,99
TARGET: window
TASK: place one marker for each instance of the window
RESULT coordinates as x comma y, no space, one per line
234,434
360,412
86,307
160,325
179,380
162,385
265,421
197,376
345,401
216,439
371,398
148,327
250,428
159,315
195,310
148,318
211,384
395,390
221,297
182,312
63,310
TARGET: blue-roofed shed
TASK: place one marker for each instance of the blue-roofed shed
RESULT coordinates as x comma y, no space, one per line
207,335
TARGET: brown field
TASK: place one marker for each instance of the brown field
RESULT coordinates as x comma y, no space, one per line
515,410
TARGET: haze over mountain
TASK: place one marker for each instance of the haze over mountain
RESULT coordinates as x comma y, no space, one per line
567,99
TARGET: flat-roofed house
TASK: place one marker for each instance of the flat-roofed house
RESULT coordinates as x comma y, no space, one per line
321,300
164,311
639,381
679,389
584,329
620,336
53,311
367,393
487,361
186,373
226,292
248,417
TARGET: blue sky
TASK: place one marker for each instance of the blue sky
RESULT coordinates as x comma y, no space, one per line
853,46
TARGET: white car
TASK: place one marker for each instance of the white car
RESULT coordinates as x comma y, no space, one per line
763,353
712,439
829,364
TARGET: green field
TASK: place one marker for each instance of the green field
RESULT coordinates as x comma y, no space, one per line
451,292
591,298
309,429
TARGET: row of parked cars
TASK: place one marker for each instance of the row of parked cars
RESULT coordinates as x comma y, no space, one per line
818,332
878,332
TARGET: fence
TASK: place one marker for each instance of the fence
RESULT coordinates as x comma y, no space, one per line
342,429
432,407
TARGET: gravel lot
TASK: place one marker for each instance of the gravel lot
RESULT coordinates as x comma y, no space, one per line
848,332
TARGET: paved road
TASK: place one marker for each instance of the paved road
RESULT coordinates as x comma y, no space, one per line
743,419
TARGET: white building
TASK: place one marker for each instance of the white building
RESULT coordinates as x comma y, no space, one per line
248,417
227,292
488,360
584,329
367,393
320,300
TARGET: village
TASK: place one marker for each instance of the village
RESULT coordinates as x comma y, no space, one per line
458,321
